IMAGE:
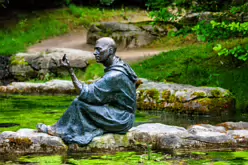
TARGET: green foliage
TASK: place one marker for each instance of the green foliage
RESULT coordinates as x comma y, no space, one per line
217,30
162,15
239,9
238,52
164,11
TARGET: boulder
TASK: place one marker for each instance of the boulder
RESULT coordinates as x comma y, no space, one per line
28,141
158,136
150,96
125,35
184,98
24,66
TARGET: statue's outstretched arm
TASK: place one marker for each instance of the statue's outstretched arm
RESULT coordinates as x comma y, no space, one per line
77,84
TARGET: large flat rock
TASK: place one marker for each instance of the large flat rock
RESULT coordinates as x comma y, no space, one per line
158,136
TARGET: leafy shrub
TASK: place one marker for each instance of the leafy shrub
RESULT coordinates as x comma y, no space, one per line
210,5
220,30
239,52
170,10
239,9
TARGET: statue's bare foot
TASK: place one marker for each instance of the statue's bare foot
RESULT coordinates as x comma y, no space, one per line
46,129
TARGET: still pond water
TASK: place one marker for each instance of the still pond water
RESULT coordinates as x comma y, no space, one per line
18,111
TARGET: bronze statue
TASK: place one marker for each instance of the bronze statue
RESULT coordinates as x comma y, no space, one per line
106,106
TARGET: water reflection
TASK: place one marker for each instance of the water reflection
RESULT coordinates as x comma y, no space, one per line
6,125
185,120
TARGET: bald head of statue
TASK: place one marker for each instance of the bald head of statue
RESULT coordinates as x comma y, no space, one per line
105,49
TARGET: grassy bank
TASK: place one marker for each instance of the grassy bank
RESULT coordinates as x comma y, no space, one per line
30,28
200,66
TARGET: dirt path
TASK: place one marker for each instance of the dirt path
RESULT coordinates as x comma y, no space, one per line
77,40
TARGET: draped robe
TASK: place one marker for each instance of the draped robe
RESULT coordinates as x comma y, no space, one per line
106,106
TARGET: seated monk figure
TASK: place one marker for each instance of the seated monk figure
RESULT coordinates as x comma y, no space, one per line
106,106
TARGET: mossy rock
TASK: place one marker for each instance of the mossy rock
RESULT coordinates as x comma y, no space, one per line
184,98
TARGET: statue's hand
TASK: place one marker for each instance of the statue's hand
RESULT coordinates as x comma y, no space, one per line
65,62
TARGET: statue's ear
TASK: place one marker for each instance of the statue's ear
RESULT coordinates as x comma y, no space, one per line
111,50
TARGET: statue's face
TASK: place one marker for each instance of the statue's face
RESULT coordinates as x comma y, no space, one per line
101,52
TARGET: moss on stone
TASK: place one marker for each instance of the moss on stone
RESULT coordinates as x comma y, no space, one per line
198,94
181,99
153,94
25,142
122,139
166,95
216,93
153,97
17,60
172,98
